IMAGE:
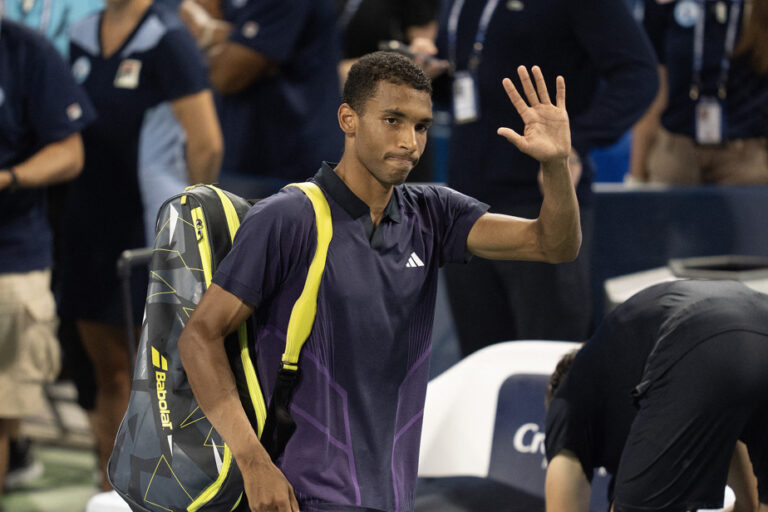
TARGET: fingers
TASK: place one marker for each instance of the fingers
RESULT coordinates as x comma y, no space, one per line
294,502
530,92
512,136
517,101
560,98
541,85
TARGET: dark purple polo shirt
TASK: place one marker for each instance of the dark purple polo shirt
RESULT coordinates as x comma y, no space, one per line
364,369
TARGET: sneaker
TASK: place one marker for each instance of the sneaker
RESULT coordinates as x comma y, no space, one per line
23,468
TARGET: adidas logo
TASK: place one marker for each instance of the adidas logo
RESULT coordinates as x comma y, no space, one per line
414,261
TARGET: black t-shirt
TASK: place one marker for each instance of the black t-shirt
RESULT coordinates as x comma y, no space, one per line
593,409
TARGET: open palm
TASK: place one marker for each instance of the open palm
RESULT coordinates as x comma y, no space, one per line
547,133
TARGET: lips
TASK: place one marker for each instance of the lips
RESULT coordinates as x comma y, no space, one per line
403,158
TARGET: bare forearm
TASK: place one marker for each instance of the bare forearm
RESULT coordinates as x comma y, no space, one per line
558,223
197,115
203,164
213,385
566,488
57,162
741,478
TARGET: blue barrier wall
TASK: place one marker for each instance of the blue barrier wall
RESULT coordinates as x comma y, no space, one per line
641,229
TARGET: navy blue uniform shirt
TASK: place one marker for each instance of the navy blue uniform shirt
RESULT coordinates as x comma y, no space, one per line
364,368
596,45
285,122
746,105
39,104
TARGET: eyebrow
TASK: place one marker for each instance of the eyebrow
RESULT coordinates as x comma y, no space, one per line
397,113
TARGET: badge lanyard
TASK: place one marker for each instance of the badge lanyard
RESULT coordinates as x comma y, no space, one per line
698,50
350,9
482,31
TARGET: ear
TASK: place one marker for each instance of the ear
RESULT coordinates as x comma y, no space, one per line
347,119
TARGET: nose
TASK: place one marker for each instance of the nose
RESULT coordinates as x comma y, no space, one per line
408,139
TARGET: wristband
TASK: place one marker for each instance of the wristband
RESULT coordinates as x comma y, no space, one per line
14,180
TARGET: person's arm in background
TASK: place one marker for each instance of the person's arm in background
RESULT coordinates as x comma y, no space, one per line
655,20
56,162
197,115
202,352
645,131
566,488
741,478
233,66
619,49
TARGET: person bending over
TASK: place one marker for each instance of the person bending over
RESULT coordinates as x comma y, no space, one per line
659,397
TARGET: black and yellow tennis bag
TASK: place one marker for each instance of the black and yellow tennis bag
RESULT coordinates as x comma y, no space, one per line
167,456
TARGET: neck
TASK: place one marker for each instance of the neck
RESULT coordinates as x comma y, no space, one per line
362,183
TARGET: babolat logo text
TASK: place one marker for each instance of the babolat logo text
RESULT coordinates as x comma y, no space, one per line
161,364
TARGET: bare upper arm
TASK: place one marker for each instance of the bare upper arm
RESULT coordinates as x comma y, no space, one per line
566,488
233,67
504,237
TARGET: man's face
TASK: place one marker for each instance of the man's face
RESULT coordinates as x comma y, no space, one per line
392,131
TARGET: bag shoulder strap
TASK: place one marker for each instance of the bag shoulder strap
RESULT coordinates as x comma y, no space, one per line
279,426
304,310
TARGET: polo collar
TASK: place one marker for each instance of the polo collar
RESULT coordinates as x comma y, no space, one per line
327,178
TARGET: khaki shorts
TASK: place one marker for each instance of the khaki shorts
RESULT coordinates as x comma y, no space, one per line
676,160
29,349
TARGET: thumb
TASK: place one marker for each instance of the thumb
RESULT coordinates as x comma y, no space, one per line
512,136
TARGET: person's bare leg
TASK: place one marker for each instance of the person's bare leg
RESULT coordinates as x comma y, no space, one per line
105,345
8,427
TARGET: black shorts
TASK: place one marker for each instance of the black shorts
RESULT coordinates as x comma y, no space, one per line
680,444
91,289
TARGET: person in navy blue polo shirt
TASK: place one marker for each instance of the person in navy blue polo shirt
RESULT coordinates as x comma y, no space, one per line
157,133
659,397
359,402
42,112
273,64
609,65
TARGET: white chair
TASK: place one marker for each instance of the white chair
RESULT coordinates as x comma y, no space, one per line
460,409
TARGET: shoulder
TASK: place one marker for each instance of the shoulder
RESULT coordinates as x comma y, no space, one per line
287,210
173,28
429,194
20,38
85,32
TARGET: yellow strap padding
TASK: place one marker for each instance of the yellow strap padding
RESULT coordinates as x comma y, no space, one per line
304,310
201,232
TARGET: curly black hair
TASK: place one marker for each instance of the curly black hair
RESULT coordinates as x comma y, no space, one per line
561,371
369,70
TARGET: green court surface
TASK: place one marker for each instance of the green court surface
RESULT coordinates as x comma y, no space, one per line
66,484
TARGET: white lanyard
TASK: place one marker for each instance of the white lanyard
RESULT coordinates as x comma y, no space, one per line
350,9
482,31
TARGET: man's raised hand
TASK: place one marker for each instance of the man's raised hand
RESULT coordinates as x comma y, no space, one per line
547,133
